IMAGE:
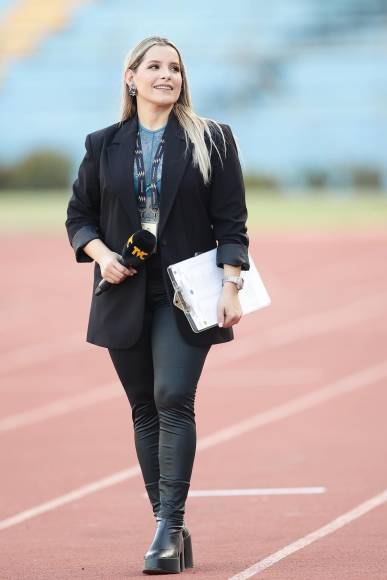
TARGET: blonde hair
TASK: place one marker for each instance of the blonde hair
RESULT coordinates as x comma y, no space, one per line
195,127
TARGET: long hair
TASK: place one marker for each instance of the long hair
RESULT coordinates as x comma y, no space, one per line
195,127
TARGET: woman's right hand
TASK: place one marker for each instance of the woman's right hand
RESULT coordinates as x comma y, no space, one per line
112,270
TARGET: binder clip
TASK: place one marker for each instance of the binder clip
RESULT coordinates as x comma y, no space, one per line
179,301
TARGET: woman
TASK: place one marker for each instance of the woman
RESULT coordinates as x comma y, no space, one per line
165,169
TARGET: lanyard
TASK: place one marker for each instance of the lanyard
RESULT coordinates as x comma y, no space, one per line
141,174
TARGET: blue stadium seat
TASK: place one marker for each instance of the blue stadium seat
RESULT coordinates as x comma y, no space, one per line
299,86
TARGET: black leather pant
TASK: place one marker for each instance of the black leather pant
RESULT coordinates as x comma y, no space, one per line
160,373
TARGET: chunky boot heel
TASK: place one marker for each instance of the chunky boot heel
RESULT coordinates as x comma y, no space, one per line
182,559
188,556
166,553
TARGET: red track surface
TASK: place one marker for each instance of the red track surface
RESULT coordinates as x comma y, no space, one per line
327,322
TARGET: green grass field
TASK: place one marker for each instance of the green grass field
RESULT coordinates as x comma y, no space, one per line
45,212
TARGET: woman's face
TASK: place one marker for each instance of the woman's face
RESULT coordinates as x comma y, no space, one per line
159,68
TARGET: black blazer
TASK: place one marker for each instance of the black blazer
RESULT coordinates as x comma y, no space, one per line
193,217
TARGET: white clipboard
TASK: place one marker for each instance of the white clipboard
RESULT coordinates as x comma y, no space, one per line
197,283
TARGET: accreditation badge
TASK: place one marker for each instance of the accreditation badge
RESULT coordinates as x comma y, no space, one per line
152,228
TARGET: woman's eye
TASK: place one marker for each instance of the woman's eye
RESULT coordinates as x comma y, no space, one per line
175,68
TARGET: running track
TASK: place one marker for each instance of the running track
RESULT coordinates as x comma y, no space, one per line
300,435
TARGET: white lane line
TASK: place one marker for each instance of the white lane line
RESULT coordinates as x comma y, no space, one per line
74,495
278,336
254,491
349,383
246,378
258,377
61,407
345,385
350,236
257,491
298,329
310,326
323,322
31,354
329,528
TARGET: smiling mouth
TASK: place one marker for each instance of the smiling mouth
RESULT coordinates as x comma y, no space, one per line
163,88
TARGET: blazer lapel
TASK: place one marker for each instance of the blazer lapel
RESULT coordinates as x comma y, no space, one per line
175,161
121,159
121,163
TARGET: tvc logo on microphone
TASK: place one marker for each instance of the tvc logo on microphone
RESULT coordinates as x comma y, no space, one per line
136,251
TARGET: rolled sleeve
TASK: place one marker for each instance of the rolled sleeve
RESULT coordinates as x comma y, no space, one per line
83,209
81,238
227,206
232,254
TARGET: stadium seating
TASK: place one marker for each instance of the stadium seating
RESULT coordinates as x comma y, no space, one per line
298,81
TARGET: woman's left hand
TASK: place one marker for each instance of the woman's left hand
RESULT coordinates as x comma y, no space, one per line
229,307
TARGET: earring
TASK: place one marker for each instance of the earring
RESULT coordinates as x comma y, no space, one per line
132,90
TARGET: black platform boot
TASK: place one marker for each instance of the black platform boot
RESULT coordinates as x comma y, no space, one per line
166,553
154,497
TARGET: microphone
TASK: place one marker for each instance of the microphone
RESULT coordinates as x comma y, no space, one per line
137,249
